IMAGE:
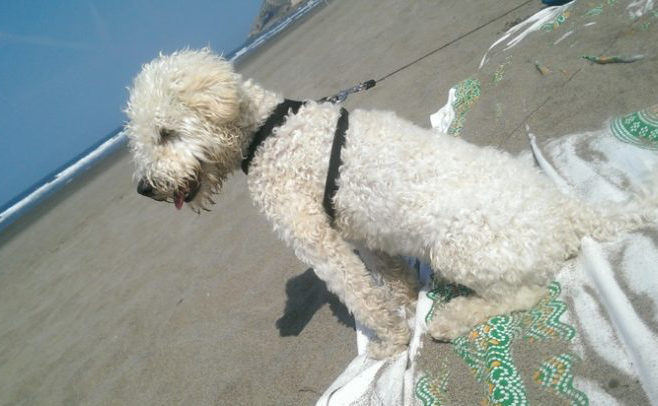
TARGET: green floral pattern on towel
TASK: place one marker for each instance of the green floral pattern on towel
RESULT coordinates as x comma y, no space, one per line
559,20
487,351
639,128
467,93
555,373
430,389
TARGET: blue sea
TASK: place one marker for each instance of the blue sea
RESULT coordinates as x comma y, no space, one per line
51,182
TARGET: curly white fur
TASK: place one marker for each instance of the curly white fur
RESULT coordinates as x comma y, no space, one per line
481,217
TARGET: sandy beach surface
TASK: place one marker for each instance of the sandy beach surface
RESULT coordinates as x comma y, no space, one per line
108,298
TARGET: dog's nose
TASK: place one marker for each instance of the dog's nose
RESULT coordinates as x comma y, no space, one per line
144,188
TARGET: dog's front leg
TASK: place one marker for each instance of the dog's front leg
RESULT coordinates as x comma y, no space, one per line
397,276
319,245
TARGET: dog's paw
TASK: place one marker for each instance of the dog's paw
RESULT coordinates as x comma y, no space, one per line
446,329
380,350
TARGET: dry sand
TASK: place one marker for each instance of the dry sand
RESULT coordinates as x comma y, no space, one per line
110,298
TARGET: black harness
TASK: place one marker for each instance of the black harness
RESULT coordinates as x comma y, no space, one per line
277,118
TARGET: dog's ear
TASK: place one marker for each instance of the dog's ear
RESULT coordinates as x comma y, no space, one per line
211,88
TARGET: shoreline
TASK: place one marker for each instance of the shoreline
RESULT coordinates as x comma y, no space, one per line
61,194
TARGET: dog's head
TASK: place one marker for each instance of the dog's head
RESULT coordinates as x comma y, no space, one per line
183,126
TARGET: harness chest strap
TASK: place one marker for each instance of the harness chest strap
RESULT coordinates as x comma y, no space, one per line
277,118
330,185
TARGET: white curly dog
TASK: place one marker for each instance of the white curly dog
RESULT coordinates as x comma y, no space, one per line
479,216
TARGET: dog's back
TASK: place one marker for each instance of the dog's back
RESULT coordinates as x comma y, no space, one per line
407,190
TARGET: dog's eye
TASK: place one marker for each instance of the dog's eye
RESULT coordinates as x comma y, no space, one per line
166,134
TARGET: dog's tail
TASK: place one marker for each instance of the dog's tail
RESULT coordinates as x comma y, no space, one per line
604,222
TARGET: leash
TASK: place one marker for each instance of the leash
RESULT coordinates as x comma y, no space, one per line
280,114
343,94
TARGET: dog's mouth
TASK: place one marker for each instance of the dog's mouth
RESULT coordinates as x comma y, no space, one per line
184,194
187,194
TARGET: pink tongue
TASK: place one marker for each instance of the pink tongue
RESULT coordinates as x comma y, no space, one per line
178,200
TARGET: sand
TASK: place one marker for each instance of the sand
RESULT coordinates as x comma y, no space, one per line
110,298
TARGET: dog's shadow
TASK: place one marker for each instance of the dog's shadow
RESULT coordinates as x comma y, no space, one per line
306,295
